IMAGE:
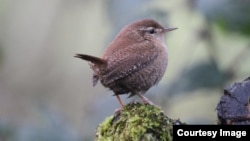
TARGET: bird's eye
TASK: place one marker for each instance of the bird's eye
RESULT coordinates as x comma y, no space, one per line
151,31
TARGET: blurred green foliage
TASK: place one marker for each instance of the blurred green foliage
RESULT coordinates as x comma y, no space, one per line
229,15
203,75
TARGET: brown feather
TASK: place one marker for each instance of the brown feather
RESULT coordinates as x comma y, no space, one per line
92,59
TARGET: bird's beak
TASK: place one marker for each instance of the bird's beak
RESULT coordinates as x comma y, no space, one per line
170,29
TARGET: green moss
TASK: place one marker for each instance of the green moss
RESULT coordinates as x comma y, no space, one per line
136,122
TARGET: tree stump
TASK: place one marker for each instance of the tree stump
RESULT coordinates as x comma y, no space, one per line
137,122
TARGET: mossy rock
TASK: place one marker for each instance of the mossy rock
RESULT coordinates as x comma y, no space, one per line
136,122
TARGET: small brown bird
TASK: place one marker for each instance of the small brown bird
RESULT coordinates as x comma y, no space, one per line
135,60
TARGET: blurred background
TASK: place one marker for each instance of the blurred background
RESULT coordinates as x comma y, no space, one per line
46,94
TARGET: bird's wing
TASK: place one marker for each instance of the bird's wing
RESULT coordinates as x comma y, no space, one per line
129,60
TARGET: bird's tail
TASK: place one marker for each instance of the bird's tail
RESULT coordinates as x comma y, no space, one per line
96,63
92,59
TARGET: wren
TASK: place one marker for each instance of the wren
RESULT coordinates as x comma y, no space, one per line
134,61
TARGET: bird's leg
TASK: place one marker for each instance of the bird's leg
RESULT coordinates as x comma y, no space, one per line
146,100
120,101
117,111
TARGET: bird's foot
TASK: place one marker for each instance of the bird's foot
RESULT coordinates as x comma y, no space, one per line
146,100
118,111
